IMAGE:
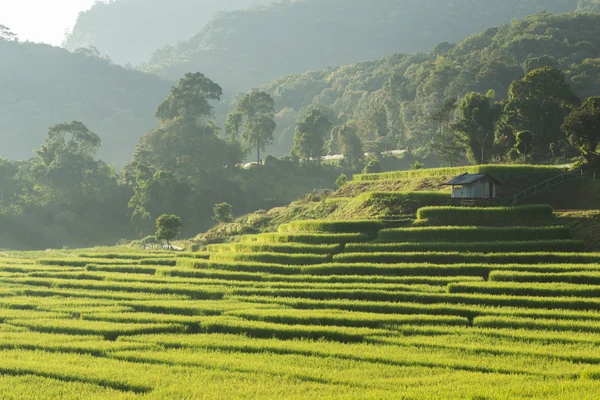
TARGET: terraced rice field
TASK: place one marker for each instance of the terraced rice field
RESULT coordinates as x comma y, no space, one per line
321,310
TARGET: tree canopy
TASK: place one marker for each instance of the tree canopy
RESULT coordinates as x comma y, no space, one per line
582,128
402,93
255,113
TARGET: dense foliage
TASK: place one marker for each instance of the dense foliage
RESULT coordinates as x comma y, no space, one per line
405,101
129,31
65,196
44,85
247,48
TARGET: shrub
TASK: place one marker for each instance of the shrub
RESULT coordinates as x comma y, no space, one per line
168,228
341,181
223,212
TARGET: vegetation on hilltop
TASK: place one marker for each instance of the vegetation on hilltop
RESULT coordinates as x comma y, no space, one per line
65,196
393,196
44,85
407,101
129,31
243,49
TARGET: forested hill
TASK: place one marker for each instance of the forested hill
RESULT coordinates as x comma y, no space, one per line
242,49
129,31
44,85
398,95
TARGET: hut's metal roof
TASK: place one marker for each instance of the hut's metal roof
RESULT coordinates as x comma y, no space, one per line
466,179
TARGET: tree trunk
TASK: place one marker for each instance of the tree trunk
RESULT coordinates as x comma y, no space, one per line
258,151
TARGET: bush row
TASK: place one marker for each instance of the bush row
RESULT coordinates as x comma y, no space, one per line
349,319
499,171
462,310
308,279
584,278
395,270
273,258
472,299
268,330
322,238
395,199
193,291
127,256
456,258
82,262
124,269
485,215
473,234
109,330
289,248
525,289
536,324
475,247
369,227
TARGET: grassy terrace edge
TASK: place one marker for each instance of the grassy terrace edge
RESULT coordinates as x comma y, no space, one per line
499,170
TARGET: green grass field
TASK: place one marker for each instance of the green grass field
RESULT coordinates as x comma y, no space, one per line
324,309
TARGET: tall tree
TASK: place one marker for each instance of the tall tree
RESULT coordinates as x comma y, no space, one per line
477,116
187,142
182,163
582,128
524,143
190,98
310,134
350,145
65,163
539,103
256,114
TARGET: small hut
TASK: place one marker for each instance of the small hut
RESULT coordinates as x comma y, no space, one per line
474,186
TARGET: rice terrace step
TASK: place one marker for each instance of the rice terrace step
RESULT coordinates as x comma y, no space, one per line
461,303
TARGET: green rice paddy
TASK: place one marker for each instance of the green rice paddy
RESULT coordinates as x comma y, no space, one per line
331,310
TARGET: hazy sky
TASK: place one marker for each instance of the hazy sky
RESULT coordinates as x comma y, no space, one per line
41,20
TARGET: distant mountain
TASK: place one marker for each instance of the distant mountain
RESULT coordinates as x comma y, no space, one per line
44,85
129,31
242,49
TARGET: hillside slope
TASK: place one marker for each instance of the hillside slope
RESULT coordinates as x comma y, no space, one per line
129,31
242,49
44,85
405,90
393,196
